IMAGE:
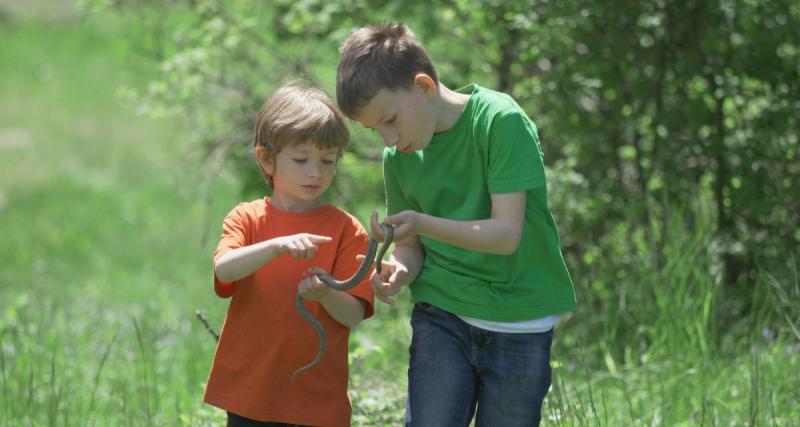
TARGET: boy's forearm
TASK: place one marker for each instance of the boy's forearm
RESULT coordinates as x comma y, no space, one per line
487,235
343,307
410,254
242,262
499,234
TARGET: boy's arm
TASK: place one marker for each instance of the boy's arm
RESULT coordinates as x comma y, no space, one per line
239,263
343,307
498,234
408,253
402,267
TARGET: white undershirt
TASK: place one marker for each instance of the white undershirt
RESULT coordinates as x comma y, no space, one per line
543,324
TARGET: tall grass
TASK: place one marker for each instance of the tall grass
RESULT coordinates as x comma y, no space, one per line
668,362
104,265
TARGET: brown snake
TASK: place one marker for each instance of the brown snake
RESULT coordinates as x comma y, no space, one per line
343,285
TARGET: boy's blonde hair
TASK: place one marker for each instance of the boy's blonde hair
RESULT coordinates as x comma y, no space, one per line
385,56
298,114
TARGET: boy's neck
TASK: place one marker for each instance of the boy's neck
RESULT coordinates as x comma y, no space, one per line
451,105
289,205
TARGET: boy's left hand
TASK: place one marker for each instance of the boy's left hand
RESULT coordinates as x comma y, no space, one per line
406,224
311,288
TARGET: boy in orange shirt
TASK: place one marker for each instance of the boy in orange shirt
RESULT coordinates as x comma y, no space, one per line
270,249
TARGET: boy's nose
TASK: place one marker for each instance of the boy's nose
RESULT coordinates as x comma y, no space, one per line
390,138
315,170
392,141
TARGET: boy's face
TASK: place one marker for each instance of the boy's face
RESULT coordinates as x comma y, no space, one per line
300,174
404,118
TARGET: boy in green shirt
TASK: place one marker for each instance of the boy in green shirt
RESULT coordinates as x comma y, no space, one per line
475,241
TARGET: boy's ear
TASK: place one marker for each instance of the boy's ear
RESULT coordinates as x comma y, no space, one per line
425,82
265,159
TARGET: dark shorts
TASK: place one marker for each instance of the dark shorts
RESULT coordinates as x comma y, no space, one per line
240,421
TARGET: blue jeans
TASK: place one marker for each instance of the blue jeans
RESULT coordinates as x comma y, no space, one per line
455,367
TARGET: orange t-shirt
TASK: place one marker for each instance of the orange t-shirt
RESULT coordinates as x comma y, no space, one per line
265,339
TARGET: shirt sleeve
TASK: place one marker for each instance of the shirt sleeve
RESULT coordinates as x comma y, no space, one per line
354,242
234,236
515,156
396,200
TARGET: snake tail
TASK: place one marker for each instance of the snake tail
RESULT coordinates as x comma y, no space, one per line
323,344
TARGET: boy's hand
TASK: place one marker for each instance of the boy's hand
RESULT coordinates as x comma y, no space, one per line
301,246
406,224
392,278
377,233
311,288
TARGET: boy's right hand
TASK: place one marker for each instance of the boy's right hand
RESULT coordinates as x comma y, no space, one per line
301,246
392,278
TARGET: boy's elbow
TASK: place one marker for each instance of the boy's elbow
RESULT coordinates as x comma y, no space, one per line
222,273
354,322
506,235
222,276
349,321
506,250
508,246
358,315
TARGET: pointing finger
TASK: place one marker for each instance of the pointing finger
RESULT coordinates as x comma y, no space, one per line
319,239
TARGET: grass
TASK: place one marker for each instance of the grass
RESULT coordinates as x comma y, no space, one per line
106,257
103,239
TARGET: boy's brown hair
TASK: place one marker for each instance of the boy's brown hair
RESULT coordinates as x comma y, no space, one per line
385,56
295,114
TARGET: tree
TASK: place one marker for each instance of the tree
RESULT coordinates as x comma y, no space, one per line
643,107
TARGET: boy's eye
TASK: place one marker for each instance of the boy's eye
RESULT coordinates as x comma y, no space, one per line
328,162
391,121
299,160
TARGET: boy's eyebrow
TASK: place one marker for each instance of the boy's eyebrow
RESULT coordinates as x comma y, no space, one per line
306,150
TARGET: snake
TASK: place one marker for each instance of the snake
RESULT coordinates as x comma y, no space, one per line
343,285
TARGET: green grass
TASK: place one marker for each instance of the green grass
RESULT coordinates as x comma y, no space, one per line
106,245
103,241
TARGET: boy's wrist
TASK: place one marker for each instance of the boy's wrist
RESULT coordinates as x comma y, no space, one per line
421,224
273,246
327,296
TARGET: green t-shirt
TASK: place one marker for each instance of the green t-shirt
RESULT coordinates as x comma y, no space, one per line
492,148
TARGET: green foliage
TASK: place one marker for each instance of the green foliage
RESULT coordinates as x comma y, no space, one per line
639,104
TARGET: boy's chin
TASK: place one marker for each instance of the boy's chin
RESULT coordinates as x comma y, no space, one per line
419,147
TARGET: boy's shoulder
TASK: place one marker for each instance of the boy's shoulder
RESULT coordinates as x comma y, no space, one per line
339,213
347,218
491,101
252,208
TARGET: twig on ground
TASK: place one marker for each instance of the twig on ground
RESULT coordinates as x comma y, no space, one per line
205,323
